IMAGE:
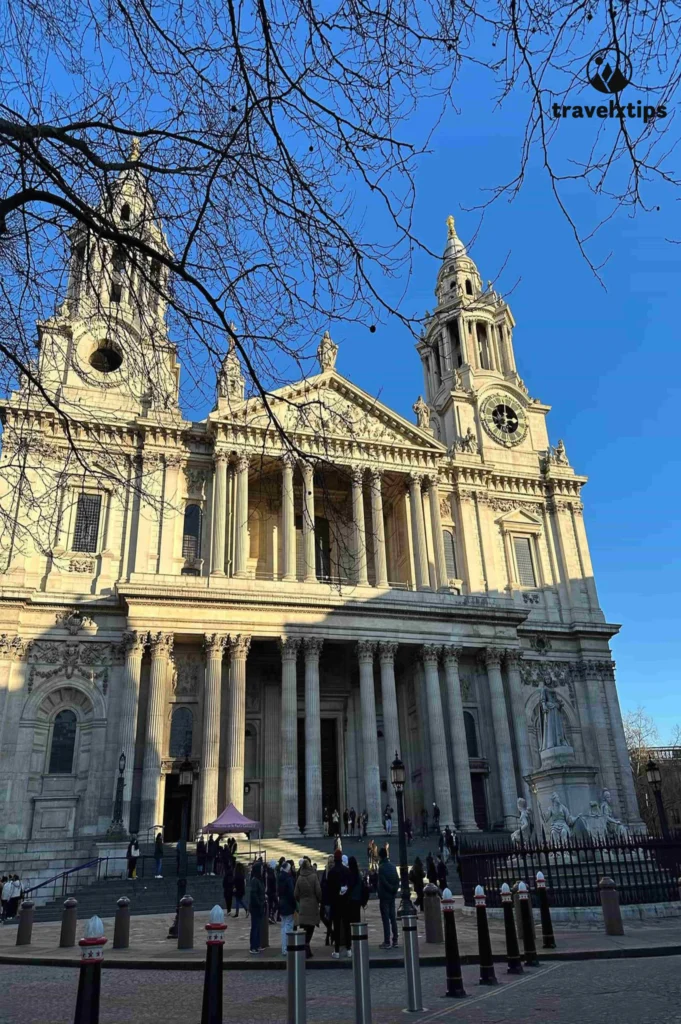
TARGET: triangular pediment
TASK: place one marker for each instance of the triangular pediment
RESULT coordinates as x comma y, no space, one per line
519,517
331,406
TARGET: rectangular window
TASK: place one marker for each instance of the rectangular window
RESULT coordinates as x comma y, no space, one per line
86,532
523,559
116,292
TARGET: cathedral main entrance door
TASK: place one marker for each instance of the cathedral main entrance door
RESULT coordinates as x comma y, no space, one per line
330,788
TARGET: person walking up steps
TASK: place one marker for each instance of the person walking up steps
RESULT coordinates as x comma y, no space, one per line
388,887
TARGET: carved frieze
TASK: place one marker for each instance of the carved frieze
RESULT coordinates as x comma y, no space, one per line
74,622
12,647
187,671
540,642
72,659
546,673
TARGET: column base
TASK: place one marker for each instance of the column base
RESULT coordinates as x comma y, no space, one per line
217,572
469,826
289,832
310,579
313,832
240,574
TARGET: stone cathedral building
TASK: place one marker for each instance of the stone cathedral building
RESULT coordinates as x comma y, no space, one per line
288,616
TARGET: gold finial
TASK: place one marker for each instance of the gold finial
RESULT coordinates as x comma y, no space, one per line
135,150
450,227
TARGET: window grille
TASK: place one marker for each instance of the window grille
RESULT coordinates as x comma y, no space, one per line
523,558
63,743
86,531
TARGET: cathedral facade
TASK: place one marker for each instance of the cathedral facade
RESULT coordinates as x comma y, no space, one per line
287,592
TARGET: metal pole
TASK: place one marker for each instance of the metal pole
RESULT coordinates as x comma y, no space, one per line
487,975
90,979
182,867
295,967
528,931
121,939
406,906
512,947
211,1011
411,963
452,958
548,938
360,970
662,814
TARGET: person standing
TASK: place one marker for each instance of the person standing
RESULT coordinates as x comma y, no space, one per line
308,894
326,821
257,906
287,903
431,871
388,887
353,819
158,855
132,855
417,878
210,856
201,856
15,893
272,897
424,823
335,823
228,882
217,863
365,822
346,821
325,911
388,819
239,889
356,889
339,882
5,882
441,870
436,816
408,831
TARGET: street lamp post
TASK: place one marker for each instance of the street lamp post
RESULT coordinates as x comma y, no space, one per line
654,777
185,785
117,828
397,777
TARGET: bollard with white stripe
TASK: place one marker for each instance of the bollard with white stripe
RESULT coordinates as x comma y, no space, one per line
528,931
360,970
295,968
211,1011
452,957
512,947
548,938
412,965
90,979
487,975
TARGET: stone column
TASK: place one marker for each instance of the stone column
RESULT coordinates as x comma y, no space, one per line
627,798
436,527
438,738
241,552
127,733
152,807
360,552
391,728
522,736
313,739
502,735
457,734
308,525
215,644
288,827
378,524
418,530
219,524
288,521
236,727
171,512
372,773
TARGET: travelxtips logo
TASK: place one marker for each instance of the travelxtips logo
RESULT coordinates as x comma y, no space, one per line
609,71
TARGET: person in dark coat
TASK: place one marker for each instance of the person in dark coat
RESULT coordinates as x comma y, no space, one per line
441,870
308,893
431,871
257,906
211,850
201,856
325,910
388,888
339,884
287,903
417,878
424,822
228,882
239,889
158,855
355,891
436,816
271,887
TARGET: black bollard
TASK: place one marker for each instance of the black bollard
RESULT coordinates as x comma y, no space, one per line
512,948
528,931
185,923
548,938
487,975
90,980
25,923
121,939
452,958
69,919
211,1012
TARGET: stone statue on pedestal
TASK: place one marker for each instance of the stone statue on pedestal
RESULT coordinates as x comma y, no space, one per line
559,820
525,830
552,726
614,828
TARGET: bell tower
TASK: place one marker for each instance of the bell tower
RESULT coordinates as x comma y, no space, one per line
107,347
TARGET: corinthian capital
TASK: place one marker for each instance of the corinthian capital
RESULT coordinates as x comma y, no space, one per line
430,653
312,645
161,644
365,650
243,461
214,644
513,657
288,645
239,645
491,656
134,643
357,474
387,650
451,654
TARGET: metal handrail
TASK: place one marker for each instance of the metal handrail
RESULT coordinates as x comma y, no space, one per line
64,874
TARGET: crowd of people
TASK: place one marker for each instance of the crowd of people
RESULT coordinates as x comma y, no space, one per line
12,890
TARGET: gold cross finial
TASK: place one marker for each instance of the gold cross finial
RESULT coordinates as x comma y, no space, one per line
450,227
135,150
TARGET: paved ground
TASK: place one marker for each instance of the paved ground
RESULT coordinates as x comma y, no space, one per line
644,991
148,942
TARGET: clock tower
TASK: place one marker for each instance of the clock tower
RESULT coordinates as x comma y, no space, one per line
479,405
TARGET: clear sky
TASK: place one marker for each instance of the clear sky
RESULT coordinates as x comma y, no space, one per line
605,357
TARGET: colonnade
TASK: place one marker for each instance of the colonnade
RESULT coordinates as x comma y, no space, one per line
416,484
446,727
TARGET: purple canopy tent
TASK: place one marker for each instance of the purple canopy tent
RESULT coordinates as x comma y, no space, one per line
231,821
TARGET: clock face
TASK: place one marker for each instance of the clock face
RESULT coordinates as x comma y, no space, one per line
503,417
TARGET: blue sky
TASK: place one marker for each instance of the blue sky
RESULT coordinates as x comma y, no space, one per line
606,358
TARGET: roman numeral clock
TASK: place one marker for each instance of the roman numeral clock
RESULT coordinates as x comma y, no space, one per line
504,419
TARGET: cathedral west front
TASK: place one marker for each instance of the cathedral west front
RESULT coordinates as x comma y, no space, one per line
287,606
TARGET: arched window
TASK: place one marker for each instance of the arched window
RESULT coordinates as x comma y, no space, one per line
469,287
471,734
450,554
63,743
191,533
181,726
125,211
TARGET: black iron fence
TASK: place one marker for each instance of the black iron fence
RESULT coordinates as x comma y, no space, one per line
646,869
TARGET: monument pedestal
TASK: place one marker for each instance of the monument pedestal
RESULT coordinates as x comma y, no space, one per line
575,784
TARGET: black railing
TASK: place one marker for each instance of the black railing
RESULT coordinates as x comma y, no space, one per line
645,869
